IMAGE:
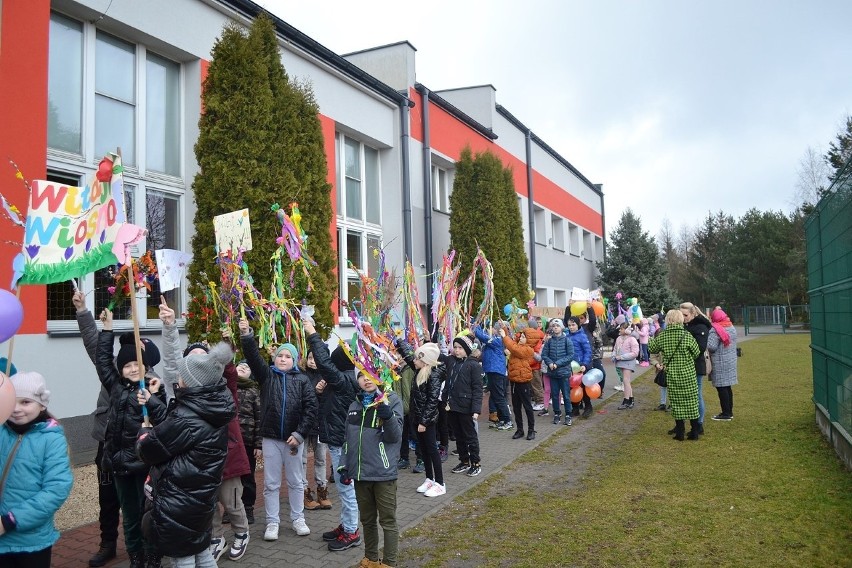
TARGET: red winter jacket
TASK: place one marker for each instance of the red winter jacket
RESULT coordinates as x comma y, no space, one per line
236,462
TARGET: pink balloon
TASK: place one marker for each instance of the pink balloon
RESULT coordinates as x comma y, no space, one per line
11,315
7,398
576,380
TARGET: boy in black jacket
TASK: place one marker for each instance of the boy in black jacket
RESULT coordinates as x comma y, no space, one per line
462,398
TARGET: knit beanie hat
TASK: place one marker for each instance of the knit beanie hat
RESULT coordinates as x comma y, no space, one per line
465,342
341,360
127,351
575,319
31,385
197,345
289,347
3,363
533,323
429,353
205,368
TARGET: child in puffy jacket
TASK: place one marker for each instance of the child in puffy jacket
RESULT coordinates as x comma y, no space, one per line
289,410
624,355
520,377
39,477
371,454
583,356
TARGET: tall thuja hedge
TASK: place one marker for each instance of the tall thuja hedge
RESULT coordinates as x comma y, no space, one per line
260,143
485,210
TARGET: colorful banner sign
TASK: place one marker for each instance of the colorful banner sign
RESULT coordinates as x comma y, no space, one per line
233,232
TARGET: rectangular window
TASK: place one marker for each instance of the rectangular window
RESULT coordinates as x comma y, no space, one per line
588,251
558,232
162,219
65,85
371,181
540,217
115,97
59,306
440,190
162,115
573,239
599,248
105,277
373,244
560,298
352,158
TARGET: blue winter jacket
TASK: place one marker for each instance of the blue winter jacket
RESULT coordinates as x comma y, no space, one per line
38,484
493,357
582,349
559,350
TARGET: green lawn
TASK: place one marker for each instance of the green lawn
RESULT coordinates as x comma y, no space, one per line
762,490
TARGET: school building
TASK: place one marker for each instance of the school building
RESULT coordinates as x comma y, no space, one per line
78,82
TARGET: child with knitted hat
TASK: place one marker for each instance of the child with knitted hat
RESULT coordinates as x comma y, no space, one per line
34,450
462,397
121,379
186,452
289,410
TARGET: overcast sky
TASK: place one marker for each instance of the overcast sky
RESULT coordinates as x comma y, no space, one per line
677,107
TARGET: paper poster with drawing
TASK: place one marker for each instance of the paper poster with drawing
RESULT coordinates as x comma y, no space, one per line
171,267
72,231
233,231
580,294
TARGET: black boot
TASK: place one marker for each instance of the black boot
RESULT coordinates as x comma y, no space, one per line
154,561
137,559
679,430
250,515
694,429
701,428
104,554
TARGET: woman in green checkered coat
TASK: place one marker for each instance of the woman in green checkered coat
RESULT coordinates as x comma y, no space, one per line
679,351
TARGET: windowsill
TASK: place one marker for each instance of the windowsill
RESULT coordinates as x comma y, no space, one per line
574,254
538,242
442,212
69,328
562,250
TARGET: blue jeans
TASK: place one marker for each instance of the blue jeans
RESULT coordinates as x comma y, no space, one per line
557,386
348,502
700,400
203,559
497,388
663,394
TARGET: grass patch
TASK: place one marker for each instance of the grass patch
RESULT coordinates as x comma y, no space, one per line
762,490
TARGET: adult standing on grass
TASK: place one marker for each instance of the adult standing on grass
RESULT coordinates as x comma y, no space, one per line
698,325
722,344
679,350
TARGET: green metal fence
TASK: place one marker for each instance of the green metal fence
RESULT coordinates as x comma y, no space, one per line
776,319
829,249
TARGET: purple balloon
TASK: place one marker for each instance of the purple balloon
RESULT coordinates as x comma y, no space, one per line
11,315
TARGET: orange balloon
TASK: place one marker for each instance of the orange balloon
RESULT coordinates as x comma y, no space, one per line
576,394
598,307
594,391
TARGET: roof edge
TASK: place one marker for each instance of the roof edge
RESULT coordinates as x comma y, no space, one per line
456,112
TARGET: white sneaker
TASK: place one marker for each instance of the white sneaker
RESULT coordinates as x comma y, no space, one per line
301,527
271,532
425,486
238,548
539,406
436,490
217,547
619,387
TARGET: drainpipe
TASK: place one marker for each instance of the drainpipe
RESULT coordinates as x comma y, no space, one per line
427,199
531,210
603,220
405,118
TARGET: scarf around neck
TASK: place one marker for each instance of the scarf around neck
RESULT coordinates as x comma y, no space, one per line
720,322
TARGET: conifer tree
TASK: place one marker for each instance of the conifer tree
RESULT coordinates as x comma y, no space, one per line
260,143
484,210
634,266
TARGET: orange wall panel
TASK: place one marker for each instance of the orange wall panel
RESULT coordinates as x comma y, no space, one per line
328,132
23,132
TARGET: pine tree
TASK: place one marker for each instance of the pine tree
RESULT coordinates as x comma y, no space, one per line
259,143
634,266
485,210
840,151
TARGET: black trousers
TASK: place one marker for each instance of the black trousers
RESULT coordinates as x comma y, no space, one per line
429,449
726,400
522,397
249,484
39,559
467,440
107,502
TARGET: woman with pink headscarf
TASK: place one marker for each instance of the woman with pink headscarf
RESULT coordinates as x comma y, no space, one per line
722,345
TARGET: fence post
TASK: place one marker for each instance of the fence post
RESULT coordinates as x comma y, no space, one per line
745,319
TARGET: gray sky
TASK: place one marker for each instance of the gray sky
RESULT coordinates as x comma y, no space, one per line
677,107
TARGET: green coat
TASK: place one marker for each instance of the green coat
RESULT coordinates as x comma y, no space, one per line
680,369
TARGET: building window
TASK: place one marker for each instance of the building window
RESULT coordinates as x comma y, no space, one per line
573,239
59,306
539,217
440,190
65,85
115,97
588,251
560,298
599,248
359,229
137,102
558,232
162,115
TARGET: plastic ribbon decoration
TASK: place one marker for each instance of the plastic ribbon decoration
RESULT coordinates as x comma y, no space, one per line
372,353
415,323
485,311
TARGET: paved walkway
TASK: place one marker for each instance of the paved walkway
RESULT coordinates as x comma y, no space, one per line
76,546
